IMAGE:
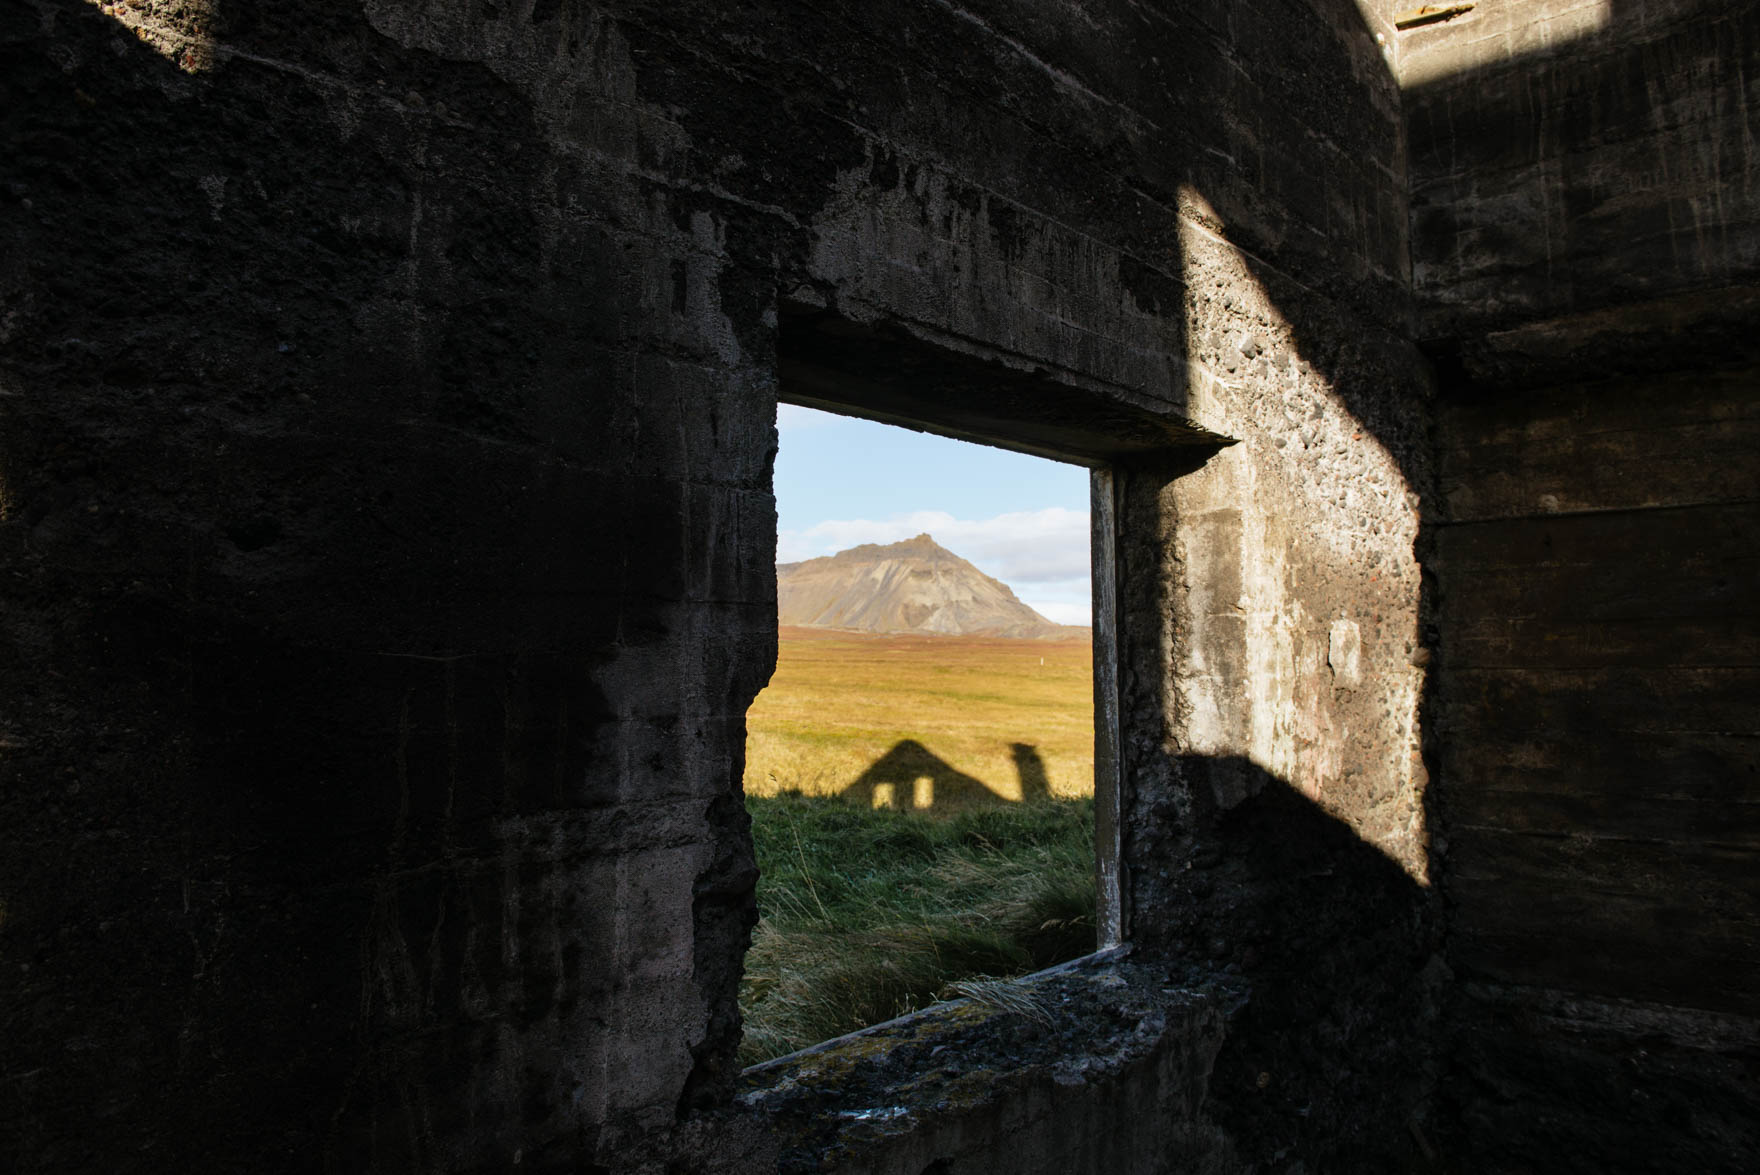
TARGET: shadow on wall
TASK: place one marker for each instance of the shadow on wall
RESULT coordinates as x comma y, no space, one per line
911,777
1231,870
1332,937
1543,259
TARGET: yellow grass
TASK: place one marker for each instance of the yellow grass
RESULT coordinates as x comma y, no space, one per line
923,721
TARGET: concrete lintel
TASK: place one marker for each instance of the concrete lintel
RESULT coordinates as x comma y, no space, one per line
898,374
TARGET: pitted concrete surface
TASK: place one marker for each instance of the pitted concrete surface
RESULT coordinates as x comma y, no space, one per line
1072,1070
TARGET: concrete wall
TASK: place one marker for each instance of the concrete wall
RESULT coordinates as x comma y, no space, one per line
1599,690
1279,826
1585,236
1574,154
386,417
385,614
385,436
386,404
1097,1066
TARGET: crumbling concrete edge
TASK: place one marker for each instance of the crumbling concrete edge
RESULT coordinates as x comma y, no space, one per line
1059,1069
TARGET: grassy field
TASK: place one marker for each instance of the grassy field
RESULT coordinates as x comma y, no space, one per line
867,915
871,717
886,777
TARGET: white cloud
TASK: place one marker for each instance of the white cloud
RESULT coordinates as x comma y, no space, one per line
1062,611
1042,554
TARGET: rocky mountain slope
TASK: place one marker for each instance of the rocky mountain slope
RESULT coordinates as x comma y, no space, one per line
913,586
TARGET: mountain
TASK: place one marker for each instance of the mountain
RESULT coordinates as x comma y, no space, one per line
914,586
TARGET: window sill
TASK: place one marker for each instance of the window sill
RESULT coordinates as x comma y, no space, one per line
1093,1055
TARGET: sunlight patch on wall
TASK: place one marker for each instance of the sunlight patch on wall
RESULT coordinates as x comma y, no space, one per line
1293,643
1455,38
181,31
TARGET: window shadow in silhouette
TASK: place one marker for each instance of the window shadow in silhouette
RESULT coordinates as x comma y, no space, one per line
911,777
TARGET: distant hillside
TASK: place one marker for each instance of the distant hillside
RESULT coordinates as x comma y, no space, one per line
914,586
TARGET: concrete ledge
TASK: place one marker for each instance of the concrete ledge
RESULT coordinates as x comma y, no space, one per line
1099,1065
1681,332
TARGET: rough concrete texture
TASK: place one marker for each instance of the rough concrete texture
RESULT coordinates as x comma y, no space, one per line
1097,1067
386,417
1275,819
387,434
1568,155
1597,600
1585,243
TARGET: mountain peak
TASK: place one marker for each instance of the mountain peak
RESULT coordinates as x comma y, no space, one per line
922,546
915,585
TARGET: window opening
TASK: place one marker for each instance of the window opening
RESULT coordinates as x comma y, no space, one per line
921,771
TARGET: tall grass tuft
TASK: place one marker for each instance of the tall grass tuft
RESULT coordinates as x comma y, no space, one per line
868,914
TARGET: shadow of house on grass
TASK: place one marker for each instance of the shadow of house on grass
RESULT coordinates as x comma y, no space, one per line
911,777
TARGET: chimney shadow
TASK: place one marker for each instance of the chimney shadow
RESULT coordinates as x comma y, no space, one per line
1035,784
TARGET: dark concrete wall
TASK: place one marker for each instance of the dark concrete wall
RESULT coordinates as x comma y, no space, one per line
385,432
1600,711
1586,234
386,401
384,616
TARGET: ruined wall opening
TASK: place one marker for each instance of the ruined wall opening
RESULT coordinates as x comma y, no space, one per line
886,374
919,771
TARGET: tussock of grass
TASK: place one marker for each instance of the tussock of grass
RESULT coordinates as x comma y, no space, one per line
869,914
1004,996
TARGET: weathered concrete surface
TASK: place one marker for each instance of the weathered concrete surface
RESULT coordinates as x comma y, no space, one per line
1602,1085
1601,704
372,688
1276,819
385,437
386,402
1096,1067
1585,244
1568,155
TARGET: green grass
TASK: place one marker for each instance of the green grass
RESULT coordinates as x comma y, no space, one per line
868,914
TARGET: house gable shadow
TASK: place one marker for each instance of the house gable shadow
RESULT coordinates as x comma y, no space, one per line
911,777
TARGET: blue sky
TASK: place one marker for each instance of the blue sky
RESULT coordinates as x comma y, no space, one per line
842,481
